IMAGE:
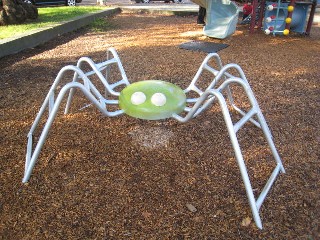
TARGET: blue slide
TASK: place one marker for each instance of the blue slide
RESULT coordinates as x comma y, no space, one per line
221,18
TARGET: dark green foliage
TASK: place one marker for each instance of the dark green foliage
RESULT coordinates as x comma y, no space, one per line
16,12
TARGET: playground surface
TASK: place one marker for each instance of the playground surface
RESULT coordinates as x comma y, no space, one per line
124,178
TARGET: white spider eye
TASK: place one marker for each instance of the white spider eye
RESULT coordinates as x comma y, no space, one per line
138,98
158,99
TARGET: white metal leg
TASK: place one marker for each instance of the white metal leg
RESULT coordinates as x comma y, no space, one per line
216,95
52,103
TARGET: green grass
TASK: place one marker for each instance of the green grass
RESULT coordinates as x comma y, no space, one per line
101,25
47,16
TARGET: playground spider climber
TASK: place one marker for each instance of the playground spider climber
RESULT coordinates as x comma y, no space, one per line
156,99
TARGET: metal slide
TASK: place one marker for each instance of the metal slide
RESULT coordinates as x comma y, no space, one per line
221,17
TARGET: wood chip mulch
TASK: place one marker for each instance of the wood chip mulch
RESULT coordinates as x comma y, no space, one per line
125,178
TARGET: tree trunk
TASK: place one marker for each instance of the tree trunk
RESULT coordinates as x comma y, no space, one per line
16,11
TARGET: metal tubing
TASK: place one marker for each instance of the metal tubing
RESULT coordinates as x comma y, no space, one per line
100,66
263,124
253,16
98,73
277,18
194,110
192,85
205,99
49,103
210,69
261,13
289,15
96,69
213,94
268,186
29,152
223,73
49,122
270,142
311,16
239,157
122,71
244,119
44,133
52,89
254,122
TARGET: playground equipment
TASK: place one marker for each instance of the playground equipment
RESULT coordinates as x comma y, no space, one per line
281,18
221,17
154,100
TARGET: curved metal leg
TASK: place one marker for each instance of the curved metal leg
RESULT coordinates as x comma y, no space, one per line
52,105
239,157
216,94
97,68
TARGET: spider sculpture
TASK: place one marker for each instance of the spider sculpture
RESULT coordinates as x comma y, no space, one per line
158,100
